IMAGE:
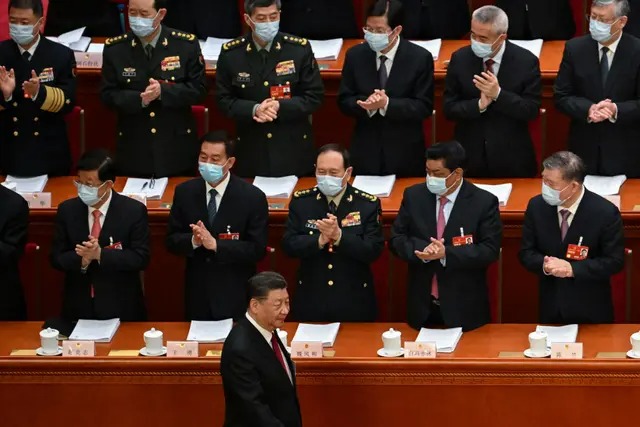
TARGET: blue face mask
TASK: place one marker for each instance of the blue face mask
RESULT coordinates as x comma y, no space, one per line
22,34
377,42
438,186
552,196
266,31
211,172
89,195
600,31
482,50
141,27
330,185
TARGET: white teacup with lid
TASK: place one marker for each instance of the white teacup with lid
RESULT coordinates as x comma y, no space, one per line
153,341
391,341
49,341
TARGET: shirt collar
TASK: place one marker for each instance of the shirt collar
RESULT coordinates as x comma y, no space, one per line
221,187
392,53
453,196
498,58
154,41
338,197
612,47
573,208
266,334
105,206
267,46
32,49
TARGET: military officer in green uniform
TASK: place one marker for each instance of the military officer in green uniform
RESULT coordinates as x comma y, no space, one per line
151,77
335,231
270,84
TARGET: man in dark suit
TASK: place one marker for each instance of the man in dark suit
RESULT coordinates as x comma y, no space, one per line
598,87
38,87
258,376
573,240
335,231
101,17
270,84
449,232
101,243
387,86
14,219
436,19
205,18
492,90
320,19
539,19
219,223
151,77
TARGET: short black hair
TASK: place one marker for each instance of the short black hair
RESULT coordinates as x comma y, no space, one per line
346,158
451,152
392,9
264,282
160,4
250,5
35,5
100,160
220,137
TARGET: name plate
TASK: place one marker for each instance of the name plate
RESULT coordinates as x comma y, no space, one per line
419,350
566,350
141,197
88,59
37,200
306,349
182,349
78,348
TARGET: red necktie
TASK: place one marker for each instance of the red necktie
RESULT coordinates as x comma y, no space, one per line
564,226
488,64
442,222
278,351
96,228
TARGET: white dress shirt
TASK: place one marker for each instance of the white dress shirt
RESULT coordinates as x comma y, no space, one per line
573,209
267,336
388,64
104,208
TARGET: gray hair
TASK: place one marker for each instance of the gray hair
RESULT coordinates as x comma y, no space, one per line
250,5
622,6
569,164
492,15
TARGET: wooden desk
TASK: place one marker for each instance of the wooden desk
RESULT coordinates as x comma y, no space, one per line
164,278
473,386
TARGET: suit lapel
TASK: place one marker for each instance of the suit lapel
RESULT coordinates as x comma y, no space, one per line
110,220
344,208
427,210
274,56
619,60
200,199
579,222
461,207
254,59
369,72
81,215
226,203
397,68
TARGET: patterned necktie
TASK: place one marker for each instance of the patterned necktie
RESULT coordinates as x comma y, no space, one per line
442,223
382,72
564,225
488,65
604,65
96,228
212,209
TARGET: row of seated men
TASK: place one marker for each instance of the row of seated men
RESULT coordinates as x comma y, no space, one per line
572,239
269,83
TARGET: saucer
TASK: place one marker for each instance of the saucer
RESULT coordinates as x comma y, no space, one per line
633,355
383,353
528,353
39,352
143,351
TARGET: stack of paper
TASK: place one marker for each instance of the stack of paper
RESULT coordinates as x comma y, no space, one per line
10,185
559,334
73,40
28,185
326,334
501,191
604,185
153,189
446,340
327,50
95,330
380,186
278,188
211,332
211,49
533,46
433,46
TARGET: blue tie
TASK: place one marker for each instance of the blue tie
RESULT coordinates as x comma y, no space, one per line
211,207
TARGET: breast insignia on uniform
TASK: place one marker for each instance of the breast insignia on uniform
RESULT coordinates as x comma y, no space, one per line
304,193
183,36
234,43
296,40
365,196
115,40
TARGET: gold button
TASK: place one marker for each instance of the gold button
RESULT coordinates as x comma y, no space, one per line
68,101
153,130
152,114
242,86
128,80
299,282
35,119
266,83
36,134
304,136
15,119
286,83
365,285
15,133
269,135
173,78
286,37
311,232
330,266
330,282
15,104
120,133
188,130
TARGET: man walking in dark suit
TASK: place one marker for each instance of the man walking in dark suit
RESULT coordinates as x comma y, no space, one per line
101,243
258,376
539,19
598,87
573,240
436,19
151,77
335,231
219,223
205,18
14,219
38,85
387,86
492,90
270,84
449,232
320,19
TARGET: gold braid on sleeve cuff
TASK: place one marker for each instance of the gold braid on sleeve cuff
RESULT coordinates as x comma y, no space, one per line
54,99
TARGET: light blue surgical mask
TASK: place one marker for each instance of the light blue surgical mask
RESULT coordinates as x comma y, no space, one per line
377,42
89,195
552,196
330,185
437,185
142,27
600,31
482,50
266,31
211,172
22,34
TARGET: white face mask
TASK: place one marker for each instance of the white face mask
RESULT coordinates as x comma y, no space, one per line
600,31
330,185
552,196
438,186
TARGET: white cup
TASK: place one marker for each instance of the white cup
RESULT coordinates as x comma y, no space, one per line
49,341
153,341
635,343
391,341
283,336
538,343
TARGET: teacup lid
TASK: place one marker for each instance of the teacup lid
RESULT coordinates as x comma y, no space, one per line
539,333
49,332
391,333
153,333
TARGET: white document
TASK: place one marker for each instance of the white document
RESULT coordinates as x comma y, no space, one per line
433,46
28,185
446,339
380,186
209,331
96,48
559,334
501,191
604,185
153,189
533,46
328,50
73,40
326,334
211,48
278,188
10,185
95,330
